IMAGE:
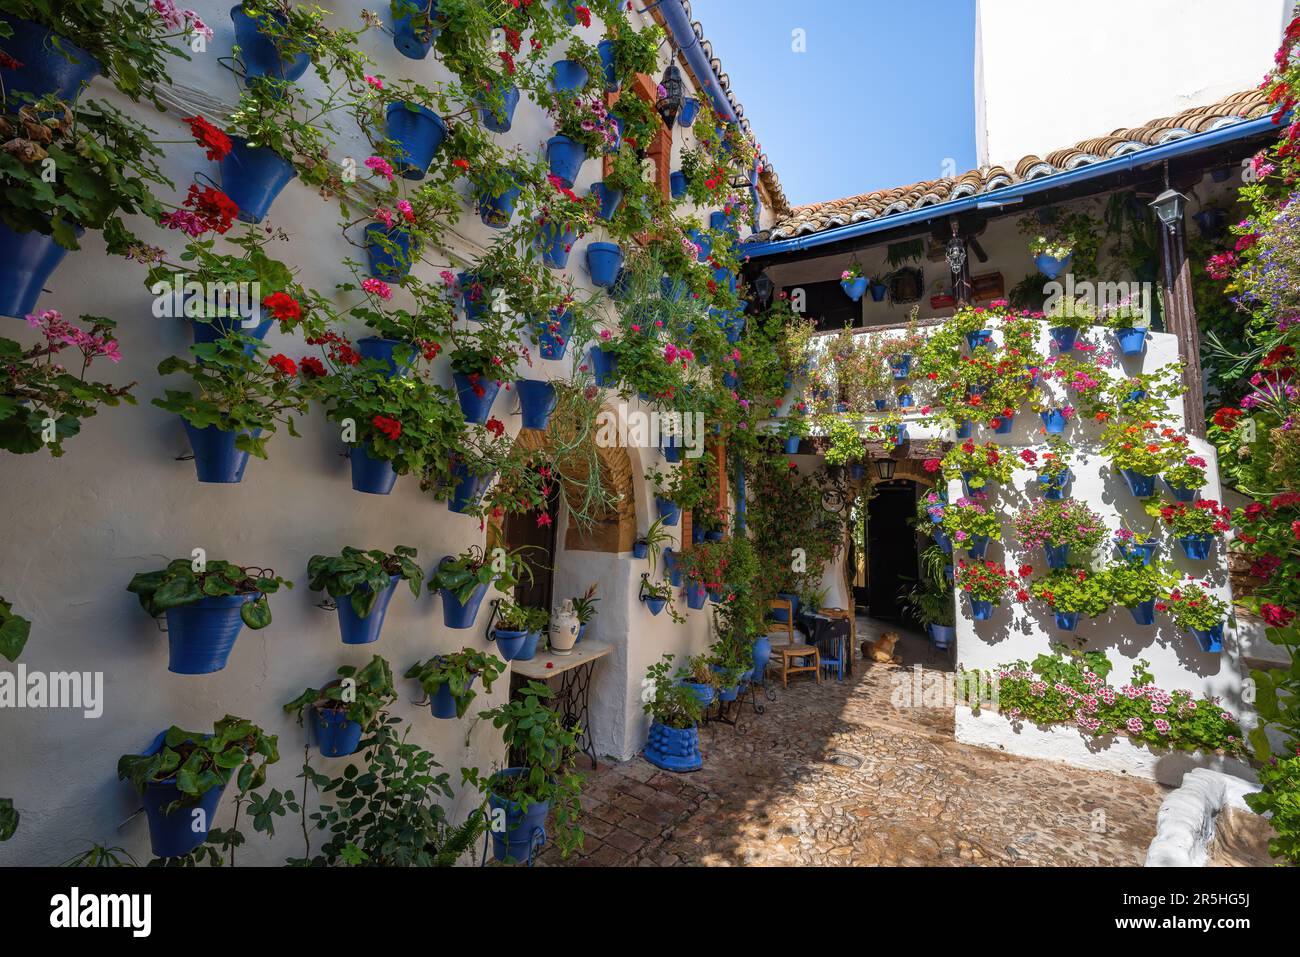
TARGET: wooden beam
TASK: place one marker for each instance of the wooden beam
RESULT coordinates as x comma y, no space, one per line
1180,318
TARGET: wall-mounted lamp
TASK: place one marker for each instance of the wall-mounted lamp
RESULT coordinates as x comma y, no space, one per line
1169,207
885,469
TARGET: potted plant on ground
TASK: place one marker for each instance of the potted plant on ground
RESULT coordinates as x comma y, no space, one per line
970,523
448,680
539,781
362,584
346,708
1059,528
701,680
183,774
1070,592
238,401
1137,586
675,709
1196,524
931,604
984,583
36,389
1196,610
463,580
206,603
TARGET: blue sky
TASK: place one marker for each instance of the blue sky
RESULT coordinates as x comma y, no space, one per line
883,95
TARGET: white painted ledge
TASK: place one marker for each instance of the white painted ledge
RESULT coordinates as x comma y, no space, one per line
1186,819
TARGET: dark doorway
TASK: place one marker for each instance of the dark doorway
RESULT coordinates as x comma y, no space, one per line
890,546
522,529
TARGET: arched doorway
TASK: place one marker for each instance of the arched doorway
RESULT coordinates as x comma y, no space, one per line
537,535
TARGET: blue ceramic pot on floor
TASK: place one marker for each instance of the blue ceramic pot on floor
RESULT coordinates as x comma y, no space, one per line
525,829
674,749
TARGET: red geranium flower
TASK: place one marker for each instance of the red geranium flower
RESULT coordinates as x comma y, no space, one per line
209,137
390,427
283,306
311,367
283,364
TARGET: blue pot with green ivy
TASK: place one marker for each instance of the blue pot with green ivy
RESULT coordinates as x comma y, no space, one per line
498,119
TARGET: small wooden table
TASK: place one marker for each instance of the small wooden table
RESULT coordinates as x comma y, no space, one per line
574,671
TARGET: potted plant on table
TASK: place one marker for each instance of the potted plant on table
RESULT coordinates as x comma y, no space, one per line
540,779
676,711
346,708
1194,609
1196,524
362,584
183,774
206,603
448,680
584,606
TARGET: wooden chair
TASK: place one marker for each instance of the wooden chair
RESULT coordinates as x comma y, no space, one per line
791,652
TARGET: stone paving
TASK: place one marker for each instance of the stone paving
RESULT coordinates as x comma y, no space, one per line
838,774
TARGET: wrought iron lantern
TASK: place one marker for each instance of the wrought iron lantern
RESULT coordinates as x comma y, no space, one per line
1169,207
670,104
885,469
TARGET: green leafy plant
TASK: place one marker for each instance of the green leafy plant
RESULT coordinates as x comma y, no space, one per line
667,700
1279,780
361,693
846,443
978,465
584,605
1205,516
14,631
1130,582
1074,590
1192,607
362,576
457,672
463,574
180,584
969,517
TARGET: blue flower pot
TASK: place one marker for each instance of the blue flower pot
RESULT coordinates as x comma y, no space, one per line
673,749
418,132
509,643
695,596
45,69
1196,547
728,694
456,615
336,736
1135,395
690,108
412,42
529,649
362,631
1210,641
965,429
536,402
494,121
1050,266
677,184
386,351
981,337
762,652
905,400
1053,421
565,158
171,832
898,434
371,475
1142,486
1053,489
495,211
258,52
668,510
200,635
216,459
553,335
901,367
27,260
1064,337
606,50
475,407
1067,620
949,574
779,614
1058,556
977,546
854,288
390,263
640,549
1005,424
656,605
252,176
604,366
473,296
720,221
1144,613
1181,493
609,199
1131,341
942,636
469,489
703,241
568,75
792,445
981,609
1144,550
672,449
617,143
525,828
603,262
443,703
857,472
555,245
705,693
942,540
878,290
211,330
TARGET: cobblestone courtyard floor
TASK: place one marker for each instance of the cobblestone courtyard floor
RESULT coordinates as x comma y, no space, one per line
836,774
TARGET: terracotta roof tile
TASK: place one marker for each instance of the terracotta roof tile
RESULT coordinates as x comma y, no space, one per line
815,217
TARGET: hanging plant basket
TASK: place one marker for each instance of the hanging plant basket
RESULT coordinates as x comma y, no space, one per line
43,68
1132,341
495,211
388,264
878,290
609,198
356,630
172,831
253,176
1064,337
371,475
473,297
443,703
553,335
981,609
606,50
218,327
1050,266
604,366
565,157
1144,613
1054,421
418,132
1053,487
568,76
201,635
976,546
456,615
677,184
258,52
27,260
536,402
412,42
385,350
509,642
555,245
498,122
469,489
216,459
668,510
474,406
690,109
603,263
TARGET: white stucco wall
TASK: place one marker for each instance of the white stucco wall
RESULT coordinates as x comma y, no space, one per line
77,529
1049,74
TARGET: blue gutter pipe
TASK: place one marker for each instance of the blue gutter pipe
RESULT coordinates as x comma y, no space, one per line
1009,195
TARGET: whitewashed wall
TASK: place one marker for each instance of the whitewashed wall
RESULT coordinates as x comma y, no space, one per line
77,529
